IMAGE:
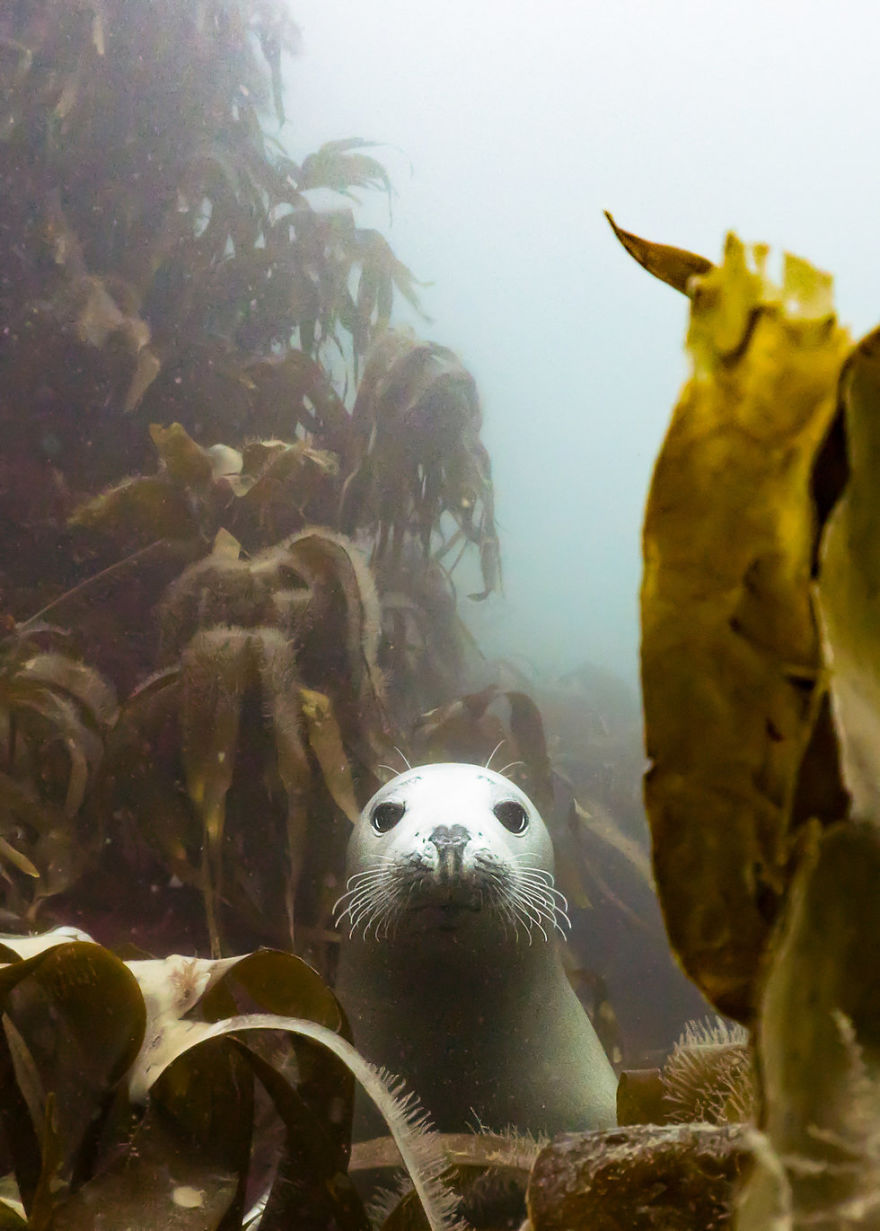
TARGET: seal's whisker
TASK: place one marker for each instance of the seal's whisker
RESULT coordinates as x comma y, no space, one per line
510,764
540,877
354,894
368,908
525,907
540,903
530,867
500,744
402,757
534,913
382,868
359,892
543,878
356,909
379,899
370,886
524,919
548,890
500,901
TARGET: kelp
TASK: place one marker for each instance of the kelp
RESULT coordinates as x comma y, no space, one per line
185,292
248,740
674,266
55,713
817,1162
164,268
152,1061
415,452
469,724
239,497
783,478
818,1159
849,576
737,725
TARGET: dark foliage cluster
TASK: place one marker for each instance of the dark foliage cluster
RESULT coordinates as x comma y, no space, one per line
169,301
232,498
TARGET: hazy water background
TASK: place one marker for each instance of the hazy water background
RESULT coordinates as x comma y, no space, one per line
515,124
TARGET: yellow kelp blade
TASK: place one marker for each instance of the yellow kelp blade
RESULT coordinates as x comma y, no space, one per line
849,583
730,653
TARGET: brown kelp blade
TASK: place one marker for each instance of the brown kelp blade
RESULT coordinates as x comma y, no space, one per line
732,669
849,581
675,266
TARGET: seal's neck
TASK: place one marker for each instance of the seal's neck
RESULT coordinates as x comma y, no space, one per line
465,962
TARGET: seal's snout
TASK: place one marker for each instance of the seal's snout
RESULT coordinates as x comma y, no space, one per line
449,841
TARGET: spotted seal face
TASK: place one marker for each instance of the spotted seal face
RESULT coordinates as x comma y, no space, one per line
444,846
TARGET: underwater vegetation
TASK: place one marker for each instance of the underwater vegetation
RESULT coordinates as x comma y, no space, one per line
759,675
164,1118
232,501
226,486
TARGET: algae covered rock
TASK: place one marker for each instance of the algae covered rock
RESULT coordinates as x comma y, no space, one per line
676,1177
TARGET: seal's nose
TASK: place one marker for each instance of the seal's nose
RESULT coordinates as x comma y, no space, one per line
450,841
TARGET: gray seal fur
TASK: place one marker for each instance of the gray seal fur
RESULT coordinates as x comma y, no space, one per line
449,971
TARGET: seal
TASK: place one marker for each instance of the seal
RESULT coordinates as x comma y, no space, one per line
449,971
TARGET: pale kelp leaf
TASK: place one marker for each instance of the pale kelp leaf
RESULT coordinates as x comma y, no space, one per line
98,316
216,668
10,1218
675,266
147,368
9,854
274,982
183,460
730,653
849,583
325,741
421,1155
281,704
344,605
149,506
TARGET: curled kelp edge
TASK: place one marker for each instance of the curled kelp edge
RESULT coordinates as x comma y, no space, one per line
407,1123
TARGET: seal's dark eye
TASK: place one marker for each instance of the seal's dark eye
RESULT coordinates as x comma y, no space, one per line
386,816
512,816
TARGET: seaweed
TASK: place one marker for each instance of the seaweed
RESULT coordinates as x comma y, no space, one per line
759,667
151,1063
174,291
730,643
233,499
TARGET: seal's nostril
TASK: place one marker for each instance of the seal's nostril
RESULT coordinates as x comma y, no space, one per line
450,835
450,841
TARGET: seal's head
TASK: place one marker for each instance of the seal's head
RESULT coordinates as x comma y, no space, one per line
442,844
